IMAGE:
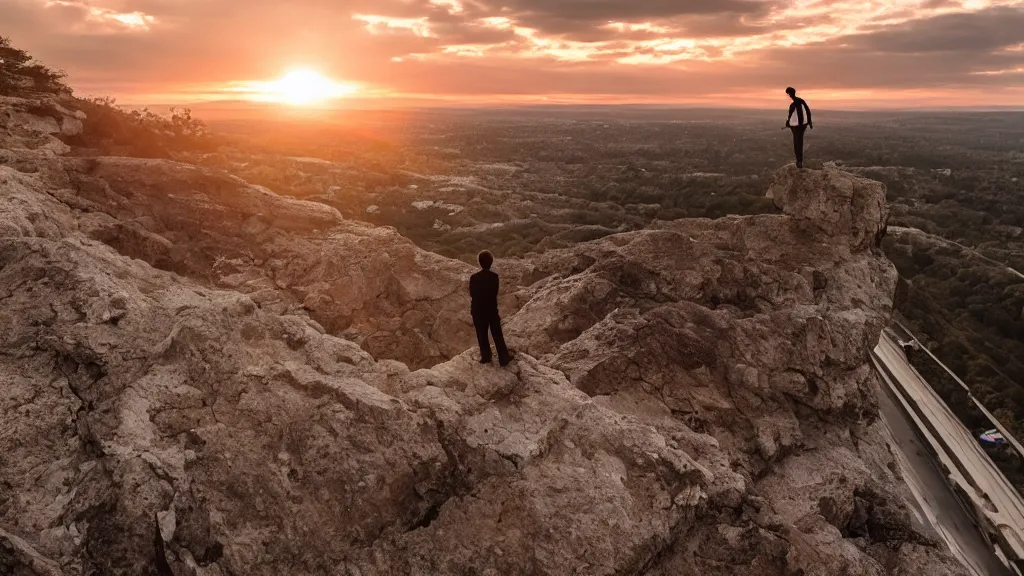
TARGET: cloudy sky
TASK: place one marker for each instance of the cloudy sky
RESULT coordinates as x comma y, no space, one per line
851,53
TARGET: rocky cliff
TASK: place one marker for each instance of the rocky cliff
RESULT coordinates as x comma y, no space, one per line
202,378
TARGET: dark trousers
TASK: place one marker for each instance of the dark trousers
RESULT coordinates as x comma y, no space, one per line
798,143
490,322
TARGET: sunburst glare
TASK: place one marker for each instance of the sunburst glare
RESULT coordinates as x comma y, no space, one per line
298,87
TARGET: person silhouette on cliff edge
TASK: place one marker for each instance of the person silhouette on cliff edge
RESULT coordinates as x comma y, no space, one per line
483,289
797,108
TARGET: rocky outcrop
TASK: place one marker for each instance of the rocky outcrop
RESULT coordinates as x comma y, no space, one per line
35,124
365,283
202,378
853,209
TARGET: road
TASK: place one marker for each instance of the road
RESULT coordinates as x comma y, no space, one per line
999,425
937,508
926,430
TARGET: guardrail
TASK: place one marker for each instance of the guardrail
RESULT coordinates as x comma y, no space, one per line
999,425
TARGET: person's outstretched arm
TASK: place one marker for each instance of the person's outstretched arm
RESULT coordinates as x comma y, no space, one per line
789,119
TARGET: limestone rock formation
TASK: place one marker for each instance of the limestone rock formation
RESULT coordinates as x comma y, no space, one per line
33,124
201,378
300,257
854,208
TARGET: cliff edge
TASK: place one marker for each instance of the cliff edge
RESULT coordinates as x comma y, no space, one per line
202,378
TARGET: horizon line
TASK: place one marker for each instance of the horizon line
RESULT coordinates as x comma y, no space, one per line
382,106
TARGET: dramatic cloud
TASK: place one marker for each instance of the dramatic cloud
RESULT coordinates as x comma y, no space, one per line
962,32
859,52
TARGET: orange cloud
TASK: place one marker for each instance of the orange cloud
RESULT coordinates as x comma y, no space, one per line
100,19
493,50
380,24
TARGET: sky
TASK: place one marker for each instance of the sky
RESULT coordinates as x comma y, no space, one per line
841,53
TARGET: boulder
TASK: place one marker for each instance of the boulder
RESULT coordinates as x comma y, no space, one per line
834,202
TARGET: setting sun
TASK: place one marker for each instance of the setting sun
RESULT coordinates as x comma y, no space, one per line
297,87
305,86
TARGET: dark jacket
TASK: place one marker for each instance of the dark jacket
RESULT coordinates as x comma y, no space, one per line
797,108
483,288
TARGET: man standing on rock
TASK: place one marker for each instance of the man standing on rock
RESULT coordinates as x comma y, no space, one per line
483,288
797,108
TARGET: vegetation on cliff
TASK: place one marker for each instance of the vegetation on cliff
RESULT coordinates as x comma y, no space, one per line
108,128
20,74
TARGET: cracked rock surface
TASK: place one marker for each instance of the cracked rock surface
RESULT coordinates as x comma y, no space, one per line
202,378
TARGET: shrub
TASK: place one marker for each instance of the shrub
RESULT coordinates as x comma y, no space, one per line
144,133
21,75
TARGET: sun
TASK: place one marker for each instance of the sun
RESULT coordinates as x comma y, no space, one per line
305,86
299,87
